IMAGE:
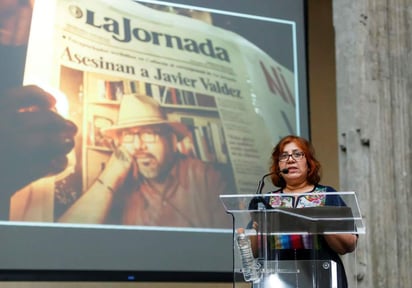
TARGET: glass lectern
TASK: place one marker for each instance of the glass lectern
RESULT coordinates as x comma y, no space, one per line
262,221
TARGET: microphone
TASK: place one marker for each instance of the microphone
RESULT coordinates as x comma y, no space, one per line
284,171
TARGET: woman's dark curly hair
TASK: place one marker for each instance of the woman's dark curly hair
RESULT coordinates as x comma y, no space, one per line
307,148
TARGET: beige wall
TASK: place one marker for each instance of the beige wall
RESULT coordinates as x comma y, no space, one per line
323,131
322,89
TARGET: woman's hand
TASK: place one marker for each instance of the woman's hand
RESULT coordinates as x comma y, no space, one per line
342,243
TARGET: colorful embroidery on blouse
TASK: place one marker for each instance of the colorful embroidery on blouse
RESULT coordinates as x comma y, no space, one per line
279,201
297,241
311,201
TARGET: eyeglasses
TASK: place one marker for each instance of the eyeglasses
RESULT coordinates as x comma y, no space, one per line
142,136
296,155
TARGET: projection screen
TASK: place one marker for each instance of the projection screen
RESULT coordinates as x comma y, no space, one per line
207,87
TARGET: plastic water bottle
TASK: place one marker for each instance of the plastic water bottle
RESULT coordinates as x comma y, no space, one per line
250,266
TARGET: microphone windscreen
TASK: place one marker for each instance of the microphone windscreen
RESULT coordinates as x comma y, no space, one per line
284,171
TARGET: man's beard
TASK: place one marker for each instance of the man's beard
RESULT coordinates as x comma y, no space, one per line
148,166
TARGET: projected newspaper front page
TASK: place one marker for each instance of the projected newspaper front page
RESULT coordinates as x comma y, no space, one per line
194,108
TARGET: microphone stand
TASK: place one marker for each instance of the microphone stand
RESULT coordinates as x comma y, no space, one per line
262,183
261,205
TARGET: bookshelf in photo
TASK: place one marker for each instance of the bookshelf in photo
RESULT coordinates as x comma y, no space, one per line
168,95
206,134
113,90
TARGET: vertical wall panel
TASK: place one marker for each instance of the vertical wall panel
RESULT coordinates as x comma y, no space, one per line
373,57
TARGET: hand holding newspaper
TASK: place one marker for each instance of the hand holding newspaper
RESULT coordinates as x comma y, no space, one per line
231,96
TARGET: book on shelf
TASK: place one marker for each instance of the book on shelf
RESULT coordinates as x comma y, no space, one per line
205,100
190,124
130,86
201,145
134,86
218,142
155,89
171,95
208,139
189,98
210,148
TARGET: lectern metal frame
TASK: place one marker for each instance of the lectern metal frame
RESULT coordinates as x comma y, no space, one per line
268,271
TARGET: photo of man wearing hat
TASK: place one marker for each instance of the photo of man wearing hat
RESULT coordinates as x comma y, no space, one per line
147,181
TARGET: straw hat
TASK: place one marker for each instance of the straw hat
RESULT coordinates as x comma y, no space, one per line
141,110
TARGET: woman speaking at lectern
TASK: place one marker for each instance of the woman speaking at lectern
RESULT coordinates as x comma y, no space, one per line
295,170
